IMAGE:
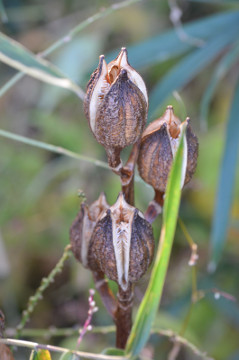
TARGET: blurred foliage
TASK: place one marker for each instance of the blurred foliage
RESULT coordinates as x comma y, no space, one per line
38,192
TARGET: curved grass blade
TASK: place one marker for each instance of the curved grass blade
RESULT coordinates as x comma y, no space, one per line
168,45
224,196
53,148
225,64
17,56
148,308
68,37
190,66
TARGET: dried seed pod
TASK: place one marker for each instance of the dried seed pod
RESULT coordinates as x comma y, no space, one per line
116,105
82,227
122,244
158,147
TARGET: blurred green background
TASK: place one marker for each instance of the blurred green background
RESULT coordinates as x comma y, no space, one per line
38,189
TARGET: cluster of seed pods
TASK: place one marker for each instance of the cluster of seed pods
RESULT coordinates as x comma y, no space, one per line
117,241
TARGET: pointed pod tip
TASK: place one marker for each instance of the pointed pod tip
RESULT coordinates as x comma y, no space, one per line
123,74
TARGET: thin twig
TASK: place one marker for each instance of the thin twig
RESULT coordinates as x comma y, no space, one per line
53,148
67,332
181,340
35,345
175,17
68,37
45,282
54,332
87,325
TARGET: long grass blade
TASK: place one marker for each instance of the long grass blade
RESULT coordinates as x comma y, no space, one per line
227,176
17,56
167,45
148,308
190,66
53,148
69,36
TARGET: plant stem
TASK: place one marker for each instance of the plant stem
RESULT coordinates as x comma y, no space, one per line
192,244
67,332
124,316
127,175
45,282
35,345
52,331
106,294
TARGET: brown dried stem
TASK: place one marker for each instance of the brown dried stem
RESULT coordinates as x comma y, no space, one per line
123,319
127,175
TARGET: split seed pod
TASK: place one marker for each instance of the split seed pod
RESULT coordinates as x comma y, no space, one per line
159,144
122,244
116,105
82,228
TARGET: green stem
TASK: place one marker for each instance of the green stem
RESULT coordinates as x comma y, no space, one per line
45,282
52,331
68,37
53,148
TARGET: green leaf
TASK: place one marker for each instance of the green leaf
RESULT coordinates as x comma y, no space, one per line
227,175
3,13
69,356
148,308
225,64
40,354
168,45
190,66
14,54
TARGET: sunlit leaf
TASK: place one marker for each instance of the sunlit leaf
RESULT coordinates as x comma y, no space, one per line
14,54
226,183
148,308
225,64
40,354
190,66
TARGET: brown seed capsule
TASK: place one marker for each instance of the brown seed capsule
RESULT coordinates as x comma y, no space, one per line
122,244
82,227
158,147
116,105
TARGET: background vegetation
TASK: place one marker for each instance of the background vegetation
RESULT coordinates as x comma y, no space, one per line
38,192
